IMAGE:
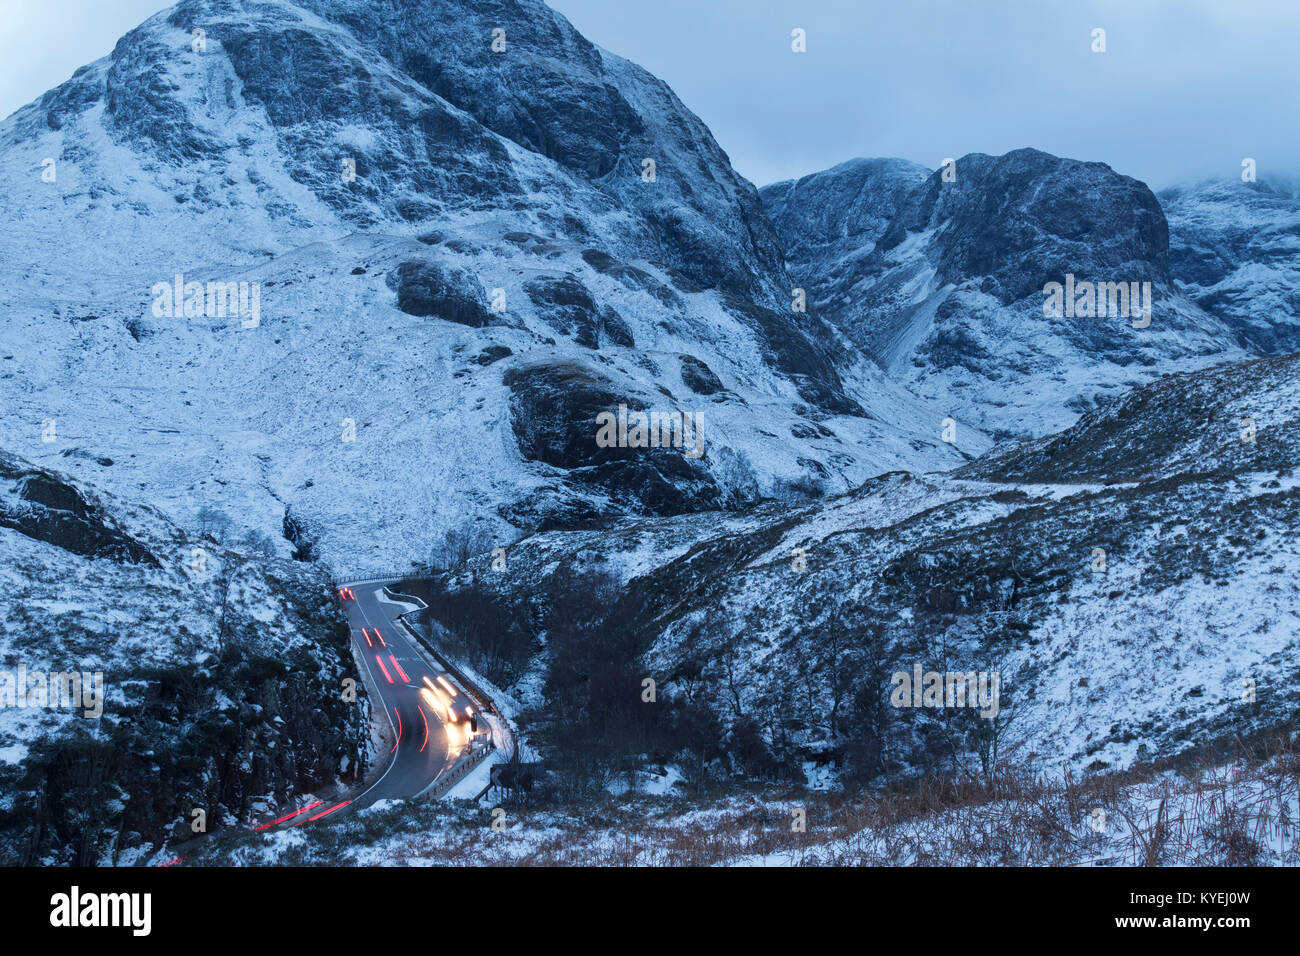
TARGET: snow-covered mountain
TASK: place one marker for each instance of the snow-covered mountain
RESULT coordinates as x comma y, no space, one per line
212,671
502,241
1234,249
830,220
943,282
456,234
1131,580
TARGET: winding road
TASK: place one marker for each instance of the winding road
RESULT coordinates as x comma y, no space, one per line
433,720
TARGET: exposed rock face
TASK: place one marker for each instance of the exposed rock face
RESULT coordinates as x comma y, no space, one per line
219,677
630,277
571,310
829,219
595,114
699,378
423,288
949,296
420,213
1235,251
48,509
1122,578
555,410
1012,220
424,72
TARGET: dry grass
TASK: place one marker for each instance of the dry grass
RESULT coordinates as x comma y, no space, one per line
1224,810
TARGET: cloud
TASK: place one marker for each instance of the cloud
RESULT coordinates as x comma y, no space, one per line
1183,91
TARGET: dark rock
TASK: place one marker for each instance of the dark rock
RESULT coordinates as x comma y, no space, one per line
1216,229
793,350
431,289
554,409
493,353
566,305
295,532
841,212
55,512
631,277
1016,218
699,378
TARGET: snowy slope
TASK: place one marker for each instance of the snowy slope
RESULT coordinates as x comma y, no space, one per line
1237,814
219,664
949,295
1234,248
1223,420
475,172
1106,656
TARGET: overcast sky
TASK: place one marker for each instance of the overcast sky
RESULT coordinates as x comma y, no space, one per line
1185,89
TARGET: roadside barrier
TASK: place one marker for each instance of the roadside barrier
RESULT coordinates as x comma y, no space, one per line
475,692
459,771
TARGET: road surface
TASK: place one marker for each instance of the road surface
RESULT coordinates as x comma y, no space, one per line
431,717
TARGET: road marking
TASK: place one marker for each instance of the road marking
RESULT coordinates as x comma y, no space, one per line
392,763
360,607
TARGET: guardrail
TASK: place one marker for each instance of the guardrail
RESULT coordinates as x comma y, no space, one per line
378,579
479,696
484,701
459,772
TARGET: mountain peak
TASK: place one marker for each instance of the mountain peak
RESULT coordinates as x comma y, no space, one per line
941,275
438,113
